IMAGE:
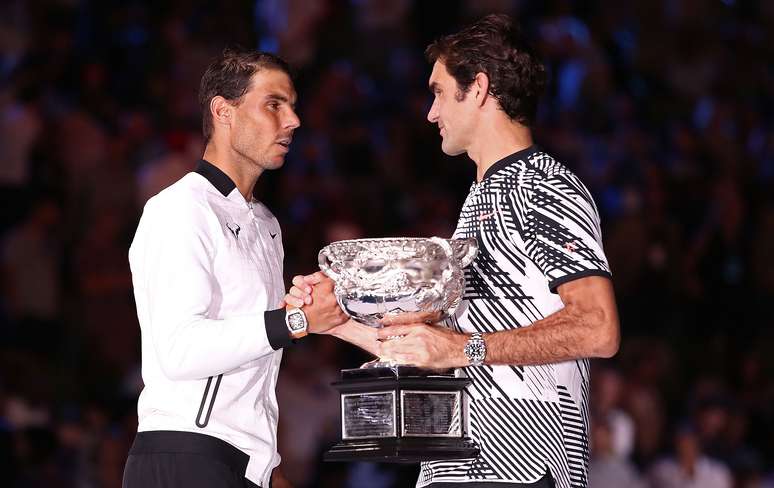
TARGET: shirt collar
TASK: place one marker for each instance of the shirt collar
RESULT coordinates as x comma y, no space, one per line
510,159
216,177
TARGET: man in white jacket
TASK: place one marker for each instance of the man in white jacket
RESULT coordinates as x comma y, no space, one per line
207,272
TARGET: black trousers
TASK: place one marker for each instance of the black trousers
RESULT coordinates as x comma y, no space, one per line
546,481
172,459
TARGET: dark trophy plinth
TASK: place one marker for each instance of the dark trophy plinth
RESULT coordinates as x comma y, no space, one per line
389,412
401,415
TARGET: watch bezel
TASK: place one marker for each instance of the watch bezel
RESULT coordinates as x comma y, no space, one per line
475,349
296,321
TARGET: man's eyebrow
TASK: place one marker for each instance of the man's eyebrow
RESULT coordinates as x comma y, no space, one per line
280,98
433,87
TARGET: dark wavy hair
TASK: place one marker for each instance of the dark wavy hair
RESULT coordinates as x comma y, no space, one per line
229,76
496,46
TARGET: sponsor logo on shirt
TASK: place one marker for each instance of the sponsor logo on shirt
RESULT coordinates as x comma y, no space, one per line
234,228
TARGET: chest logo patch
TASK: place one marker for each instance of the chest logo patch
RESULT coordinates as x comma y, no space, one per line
485,216
234,228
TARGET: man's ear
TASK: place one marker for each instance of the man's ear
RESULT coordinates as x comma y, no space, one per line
481,87
221,111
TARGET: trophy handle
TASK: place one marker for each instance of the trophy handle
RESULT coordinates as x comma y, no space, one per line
446,246
323,259
465,250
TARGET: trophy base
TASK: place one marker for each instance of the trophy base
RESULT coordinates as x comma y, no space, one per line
401,414
402,450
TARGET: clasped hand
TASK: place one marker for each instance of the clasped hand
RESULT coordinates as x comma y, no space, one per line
405,339
320,306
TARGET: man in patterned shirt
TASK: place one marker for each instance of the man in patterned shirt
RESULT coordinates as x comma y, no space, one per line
538,294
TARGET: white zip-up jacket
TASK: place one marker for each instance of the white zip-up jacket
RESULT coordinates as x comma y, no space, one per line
207,273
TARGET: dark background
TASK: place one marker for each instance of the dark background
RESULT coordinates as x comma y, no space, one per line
665,109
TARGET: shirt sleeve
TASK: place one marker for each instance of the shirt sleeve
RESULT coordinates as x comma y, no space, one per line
172,264
562,232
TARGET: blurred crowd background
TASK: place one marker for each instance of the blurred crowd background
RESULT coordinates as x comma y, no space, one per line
664,108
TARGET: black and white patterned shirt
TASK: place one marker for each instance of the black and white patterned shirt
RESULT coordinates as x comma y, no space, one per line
537,227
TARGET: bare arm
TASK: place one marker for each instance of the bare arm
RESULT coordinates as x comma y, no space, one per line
358,334
587,326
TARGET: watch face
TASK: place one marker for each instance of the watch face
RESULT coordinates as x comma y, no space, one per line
475,350
296,321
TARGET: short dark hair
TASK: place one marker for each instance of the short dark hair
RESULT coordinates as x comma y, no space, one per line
229,76
496,46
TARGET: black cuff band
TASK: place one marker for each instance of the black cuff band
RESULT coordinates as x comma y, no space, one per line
553,285
277,329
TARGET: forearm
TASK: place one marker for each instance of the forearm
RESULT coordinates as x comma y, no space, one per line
586,327
197,347
358,334
562,336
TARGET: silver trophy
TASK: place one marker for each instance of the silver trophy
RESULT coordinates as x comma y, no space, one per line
392,412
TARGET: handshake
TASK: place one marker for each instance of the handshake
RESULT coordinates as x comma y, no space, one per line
314,295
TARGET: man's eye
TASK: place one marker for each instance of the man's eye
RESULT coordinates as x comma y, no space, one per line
273,106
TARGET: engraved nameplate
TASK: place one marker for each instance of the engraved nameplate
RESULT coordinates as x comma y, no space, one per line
366,415
431,413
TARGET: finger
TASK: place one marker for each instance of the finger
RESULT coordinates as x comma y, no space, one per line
396,330
392,338
282,304
294,301
398,357
402,351
300,283
410,318
384,350
324,289
298,293
315,278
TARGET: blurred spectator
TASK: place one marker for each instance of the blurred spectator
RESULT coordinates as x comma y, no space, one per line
608,469
688,467
107,318
20,126
619,433
31,270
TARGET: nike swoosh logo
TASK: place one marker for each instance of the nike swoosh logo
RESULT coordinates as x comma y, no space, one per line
272,235
234,228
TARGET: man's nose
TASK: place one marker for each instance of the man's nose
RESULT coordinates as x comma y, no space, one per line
432,115
292,121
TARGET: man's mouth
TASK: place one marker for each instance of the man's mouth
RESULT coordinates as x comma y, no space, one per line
285,142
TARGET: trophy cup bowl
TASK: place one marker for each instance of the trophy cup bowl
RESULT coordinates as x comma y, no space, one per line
392,412
376,278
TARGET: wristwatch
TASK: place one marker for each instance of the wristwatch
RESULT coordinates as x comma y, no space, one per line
295,319
475,349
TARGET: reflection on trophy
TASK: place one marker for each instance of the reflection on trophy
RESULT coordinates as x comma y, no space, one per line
393,412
